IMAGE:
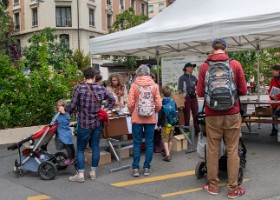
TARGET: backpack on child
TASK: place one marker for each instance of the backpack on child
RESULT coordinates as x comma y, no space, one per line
220,87
146,103
170,112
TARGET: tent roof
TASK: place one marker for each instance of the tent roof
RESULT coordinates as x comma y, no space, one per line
189,26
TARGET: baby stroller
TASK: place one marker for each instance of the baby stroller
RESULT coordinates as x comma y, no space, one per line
201,167
35,157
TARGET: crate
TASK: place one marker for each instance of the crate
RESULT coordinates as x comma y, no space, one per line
263,111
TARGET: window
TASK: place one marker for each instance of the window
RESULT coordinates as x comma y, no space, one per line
34,17
161,7
17,24
91,17
151,8
63,17
109,2
121,4
143,9
109,21
133,4
16,2
64,38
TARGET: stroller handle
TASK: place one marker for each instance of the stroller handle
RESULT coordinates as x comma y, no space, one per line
54,119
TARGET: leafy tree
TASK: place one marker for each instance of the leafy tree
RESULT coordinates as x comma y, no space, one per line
5,3
248,61
80,59
126,20
8,43
44,50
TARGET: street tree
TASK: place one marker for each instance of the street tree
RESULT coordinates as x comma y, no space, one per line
126,20
80,59
45,50
8,43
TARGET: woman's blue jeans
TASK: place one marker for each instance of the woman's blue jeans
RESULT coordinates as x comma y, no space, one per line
137,132
83,136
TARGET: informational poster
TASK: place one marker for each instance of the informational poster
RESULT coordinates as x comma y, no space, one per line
172,68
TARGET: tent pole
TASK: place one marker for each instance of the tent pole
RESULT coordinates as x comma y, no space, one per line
258,65
157,57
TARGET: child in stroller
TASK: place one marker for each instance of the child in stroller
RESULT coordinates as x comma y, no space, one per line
201,167
35,157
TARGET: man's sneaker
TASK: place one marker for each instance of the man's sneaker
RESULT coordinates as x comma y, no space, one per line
238,192
147,171
210,190
135,172
77,178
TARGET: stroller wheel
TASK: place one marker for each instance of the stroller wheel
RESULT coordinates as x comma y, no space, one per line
240,176
200,169
47,170
59,159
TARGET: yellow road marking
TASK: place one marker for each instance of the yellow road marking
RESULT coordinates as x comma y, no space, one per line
152,179
40,197
193,190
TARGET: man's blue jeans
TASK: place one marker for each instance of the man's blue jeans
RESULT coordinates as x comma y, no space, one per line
137,132
83,136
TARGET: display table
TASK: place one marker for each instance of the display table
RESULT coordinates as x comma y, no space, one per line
249,118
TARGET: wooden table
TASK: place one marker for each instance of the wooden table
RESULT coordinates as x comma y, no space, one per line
249,118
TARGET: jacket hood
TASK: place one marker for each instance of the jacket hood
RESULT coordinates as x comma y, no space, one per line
144,81
218,57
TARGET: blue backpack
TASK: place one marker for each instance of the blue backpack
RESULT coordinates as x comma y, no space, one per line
170,111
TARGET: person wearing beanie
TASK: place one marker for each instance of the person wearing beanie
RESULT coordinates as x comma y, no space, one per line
222,123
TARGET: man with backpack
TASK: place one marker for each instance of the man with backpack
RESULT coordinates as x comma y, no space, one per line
143,103
167,119
221,80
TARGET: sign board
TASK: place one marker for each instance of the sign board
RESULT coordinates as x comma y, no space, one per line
172,68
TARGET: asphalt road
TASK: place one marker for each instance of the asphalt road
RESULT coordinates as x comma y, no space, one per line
174,180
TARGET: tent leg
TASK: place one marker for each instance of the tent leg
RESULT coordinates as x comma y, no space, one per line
157,57
258,64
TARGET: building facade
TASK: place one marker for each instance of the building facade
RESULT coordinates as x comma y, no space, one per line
156,6
76,21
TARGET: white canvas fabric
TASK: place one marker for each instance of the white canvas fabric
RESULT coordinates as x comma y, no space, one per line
189,26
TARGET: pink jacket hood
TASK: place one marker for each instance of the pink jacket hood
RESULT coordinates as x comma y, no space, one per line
144,81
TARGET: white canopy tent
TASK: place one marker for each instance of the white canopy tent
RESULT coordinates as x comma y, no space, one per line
189,26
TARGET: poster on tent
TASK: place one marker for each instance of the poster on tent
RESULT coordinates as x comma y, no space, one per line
172,68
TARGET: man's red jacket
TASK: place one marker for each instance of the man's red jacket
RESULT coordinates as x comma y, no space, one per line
239,79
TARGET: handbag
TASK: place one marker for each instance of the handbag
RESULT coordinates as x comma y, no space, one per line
102,114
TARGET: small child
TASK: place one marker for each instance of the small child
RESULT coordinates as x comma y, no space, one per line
64,132
167,130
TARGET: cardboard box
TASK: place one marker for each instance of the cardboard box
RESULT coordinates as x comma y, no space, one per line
105,157
264,111
124,153
179,100
180,143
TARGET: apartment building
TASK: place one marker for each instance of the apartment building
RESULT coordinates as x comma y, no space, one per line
156,6
75,20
